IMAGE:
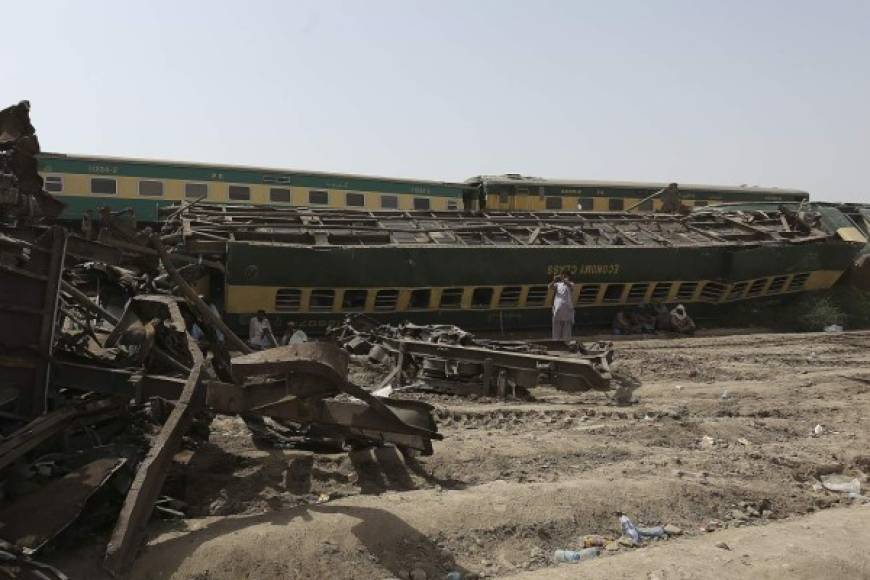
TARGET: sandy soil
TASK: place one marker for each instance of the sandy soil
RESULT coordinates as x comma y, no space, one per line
720,445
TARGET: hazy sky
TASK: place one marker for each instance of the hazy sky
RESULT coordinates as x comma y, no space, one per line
732,92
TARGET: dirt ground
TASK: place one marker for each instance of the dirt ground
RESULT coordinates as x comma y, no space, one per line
723,445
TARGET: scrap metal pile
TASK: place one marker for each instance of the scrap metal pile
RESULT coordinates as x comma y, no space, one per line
206,228
21,193
101,380
445,357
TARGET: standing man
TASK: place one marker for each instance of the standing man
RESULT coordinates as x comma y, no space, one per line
260,332
563,306
671,202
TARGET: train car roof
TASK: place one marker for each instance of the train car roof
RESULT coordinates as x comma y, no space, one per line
248,168
517,179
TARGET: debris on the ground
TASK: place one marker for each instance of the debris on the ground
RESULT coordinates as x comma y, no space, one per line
445,357
629,530
22,198
841,484
574,556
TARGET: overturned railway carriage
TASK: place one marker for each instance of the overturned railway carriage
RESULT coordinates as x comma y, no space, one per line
492,270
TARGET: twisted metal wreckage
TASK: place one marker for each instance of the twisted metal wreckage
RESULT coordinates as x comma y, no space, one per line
102,382
92,393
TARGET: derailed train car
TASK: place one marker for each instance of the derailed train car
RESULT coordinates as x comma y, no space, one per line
492,270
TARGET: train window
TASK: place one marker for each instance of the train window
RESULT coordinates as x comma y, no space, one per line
586,203
615,204
321,300
510,296
354,299
355,200
523,191
613,293
452,205
637,292
661,291
700,203
686,290
288,299
389,202
239,193
646,205
280,195
712,291
104,186
385,300
777,285
588,294
737,291
151,188
798,281
481,298
553,202
537,295
502,196
53,183
421,203
451,298
420,299
757,287
318,196
195,190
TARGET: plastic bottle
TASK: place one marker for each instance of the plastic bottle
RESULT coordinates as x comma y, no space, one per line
628,528
574,556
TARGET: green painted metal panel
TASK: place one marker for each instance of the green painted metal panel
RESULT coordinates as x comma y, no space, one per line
76,206
427,266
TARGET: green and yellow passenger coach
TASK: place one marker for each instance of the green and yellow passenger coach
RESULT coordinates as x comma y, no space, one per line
92,182
89,183
520,193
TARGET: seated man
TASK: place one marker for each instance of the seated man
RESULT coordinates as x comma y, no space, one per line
293,335
260,332
680,321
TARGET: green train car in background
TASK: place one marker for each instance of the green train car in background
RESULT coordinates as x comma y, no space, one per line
91,182
517,192
86,182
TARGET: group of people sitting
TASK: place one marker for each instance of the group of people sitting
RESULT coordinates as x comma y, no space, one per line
651,318
260,335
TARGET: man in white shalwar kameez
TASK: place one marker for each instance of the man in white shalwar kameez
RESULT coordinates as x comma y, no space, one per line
563,306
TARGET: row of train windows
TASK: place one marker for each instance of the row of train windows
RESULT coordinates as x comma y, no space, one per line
323,299
150,188
587,203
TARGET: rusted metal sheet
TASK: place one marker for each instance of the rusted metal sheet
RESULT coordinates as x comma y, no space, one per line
122,382
319,358
208,228
30,277
410,424
566,373
43,428
21,193
130,528
57,504
203,312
